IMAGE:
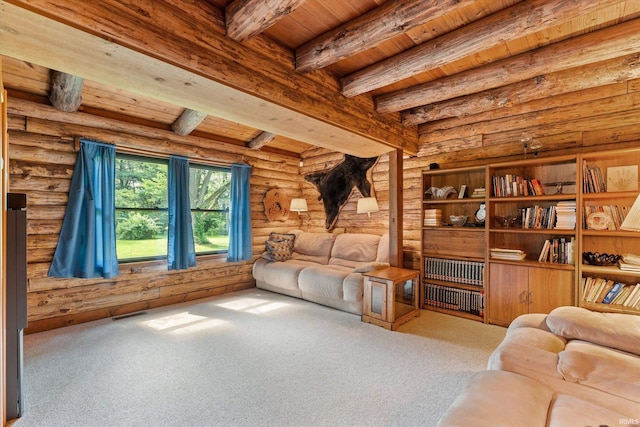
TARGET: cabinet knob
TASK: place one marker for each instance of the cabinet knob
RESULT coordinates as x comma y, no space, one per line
530,297
523,297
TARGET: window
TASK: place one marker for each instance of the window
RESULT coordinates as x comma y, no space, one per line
141,207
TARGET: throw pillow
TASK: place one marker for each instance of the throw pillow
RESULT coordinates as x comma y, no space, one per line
290,237
280,246
278,250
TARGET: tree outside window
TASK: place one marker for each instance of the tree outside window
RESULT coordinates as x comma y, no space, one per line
141,208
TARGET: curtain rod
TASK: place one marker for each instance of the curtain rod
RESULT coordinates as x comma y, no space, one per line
157,155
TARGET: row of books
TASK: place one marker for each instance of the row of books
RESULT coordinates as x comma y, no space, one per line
603,291
432,217
454,270
566,215
592,179
561,217
507,254
615,215
454,299
511,185
558,250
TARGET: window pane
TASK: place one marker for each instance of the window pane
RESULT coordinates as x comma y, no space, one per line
141,183
139,234
211,231
209,195
209,187
141,208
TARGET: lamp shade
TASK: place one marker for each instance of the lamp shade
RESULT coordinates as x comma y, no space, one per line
298,205
367,205
632,220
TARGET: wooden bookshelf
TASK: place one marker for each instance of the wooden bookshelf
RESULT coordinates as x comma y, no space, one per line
514,287
456,247
610,241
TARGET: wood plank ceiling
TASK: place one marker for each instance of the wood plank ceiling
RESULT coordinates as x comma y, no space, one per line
426,64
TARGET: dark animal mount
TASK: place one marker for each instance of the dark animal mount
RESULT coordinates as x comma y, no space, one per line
336,185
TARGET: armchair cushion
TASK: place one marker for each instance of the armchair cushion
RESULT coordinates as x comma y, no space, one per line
614,330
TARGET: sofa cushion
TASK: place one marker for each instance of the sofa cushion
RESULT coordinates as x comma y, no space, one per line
353,287
383,249
567,410
315,247
602,368
528,351
351,250
283,274
496,398
614,330
323,280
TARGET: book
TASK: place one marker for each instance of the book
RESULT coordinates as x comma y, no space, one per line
612,292
632,295
622,295
604,291
507,254
544,253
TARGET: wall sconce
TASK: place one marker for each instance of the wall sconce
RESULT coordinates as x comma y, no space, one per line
367,205
300,205
632,220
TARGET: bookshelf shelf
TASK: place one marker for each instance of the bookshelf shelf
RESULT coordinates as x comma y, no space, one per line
529,199
535,264
450,227
533,231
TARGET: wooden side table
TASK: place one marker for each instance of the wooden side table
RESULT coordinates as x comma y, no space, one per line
390,297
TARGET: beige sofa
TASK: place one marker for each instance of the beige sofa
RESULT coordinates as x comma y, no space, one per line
572,367
325,268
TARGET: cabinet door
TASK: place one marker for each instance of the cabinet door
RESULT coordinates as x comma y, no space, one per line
508,290
549,289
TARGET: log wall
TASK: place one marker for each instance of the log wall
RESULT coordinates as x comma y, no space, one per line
42,158
595,119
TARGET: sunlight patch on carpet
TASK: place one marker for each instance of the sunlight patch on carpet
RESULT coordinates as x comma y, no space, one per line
174,320
252,305
199,326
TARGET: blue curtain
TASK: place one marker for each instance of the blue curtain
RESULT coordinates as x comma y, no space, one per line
87,243
240,211
181,252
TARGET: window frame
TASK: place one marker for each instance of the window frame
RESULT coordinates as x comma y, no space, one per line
165,161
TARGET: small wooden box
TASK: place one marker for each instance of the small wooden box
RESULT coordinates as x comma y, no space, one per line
390,297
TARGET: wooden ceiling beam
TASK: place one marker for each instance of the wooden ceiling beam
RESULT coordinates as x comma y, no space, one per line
369,30
261,140
520,20
620,40
539,87
66,91
188,121
248,18
168,47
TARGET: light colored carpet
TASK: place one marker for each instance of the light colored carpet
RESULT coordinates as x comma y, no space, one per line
251,358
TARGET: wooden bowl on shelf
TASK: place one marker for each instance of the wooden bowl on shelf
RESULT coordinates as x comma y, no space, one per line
602,260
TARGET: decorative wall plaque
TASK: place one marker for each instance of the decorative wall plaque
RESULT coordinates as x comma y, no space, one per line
276,205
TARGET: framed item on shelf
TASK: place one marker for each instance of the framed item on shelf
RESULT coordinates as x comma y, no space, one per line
622,178
463,191
599,221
